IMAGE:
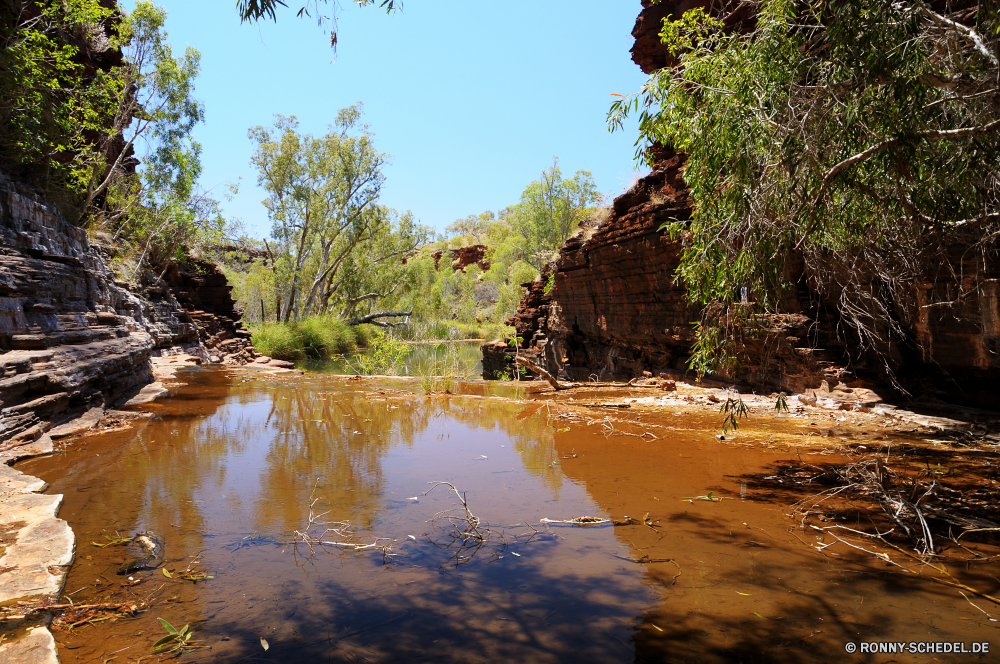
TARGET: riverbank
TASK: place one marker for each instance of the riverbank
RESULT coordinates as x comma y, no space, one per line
824,423
36,547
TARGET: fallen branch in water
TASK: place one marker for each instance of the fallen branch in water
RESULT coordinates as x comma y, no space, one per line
342,529
903,499
556,385
465,534
578,521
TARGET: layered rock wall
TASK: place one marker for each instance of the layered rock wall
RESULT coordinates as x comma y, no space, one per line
614,309
71,337
202,291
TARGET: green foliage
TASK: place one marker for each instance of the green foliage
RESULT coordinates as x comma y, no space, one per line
52,109
476,303
317,337
550,211
861,135
177,641
159,213
733,410
71,117
550,284
445,364
254,10
336,247
384,356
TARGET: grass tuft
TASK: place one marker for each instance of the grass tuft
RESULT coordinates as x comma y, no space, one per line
314,338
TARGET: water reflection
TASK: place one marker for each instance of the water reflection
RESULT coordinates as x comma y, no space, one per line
459,358
230,469
233,464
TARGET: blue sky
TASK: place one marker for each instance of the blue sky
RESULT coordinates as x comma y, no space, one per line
472,99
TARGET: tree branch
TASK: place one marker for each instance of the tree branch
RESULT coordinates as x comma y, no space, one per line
935,135
373,318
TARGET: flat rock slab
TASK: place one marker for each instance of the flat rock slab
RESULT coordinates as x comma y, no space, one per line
34,565
33,448
13,480
36,647
150,393
81,424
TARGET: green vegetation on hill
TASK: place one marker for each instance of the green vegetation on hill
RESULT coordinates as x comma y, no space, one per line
341,257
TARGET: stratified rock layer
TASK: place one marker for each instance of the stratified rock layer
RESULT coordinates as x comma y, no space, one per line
201,289
70,336
614,309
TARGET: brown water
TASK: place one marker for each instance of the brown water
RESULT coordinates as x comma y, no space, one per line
227,471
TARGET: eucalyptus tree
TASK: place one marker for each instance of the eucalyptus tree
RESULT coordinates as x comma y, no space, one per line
323,201
550,210
861,135
156,212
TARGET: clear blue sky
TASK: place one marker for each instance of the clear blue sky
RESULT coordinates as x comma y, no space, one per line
472,99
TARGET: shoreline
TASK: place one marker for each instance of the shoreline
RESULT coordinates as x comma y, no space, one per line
37,548
32,537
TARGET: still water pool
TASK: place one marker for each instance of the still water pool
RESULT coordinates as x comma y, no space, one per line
234,463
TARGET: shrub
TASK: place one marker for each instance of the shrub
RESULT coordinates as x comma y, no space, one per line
318,337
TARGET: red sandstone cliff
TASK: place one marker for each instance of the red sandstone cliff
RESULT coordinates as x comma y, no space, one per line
463,257
615,309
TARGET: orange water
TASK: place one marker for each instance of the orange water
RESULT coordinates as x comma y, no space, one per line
228,469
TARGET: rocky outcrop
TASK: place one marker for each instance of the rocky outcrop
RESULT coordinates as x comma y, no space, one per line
463,257
649,52
72,338
201,289
612,308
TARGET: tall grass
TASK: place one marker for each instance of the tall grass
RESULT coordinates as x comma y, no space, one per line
317,337
437,329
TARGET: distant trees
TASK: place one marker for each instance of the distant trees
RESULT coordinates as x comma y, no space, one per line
550,210
335,246
474,226
521,239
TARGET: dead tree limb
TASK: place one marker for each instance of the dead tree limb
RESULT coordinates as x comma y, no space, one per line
531,366
373,318
556,385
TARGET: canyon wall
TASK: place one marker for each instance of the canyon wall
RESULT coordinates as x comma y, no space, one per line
72,338
614,309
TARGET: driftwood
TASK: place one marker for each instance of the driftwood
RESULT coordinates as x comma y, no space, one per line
556,385
373,318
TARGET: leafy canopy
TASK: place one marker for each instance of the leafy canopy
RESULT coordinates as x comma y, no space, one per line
333,239
54,105
850,133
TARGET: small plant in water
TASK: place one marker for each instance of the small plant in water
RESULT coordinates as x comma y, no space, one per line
384,355
734,410
176,642
112,541
446,364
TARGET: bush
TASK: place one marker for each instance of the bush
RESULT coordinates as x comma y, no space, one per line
318,338
384,356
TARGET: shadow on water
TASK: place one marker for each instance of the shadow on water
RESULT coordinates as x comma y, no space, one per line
228,469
